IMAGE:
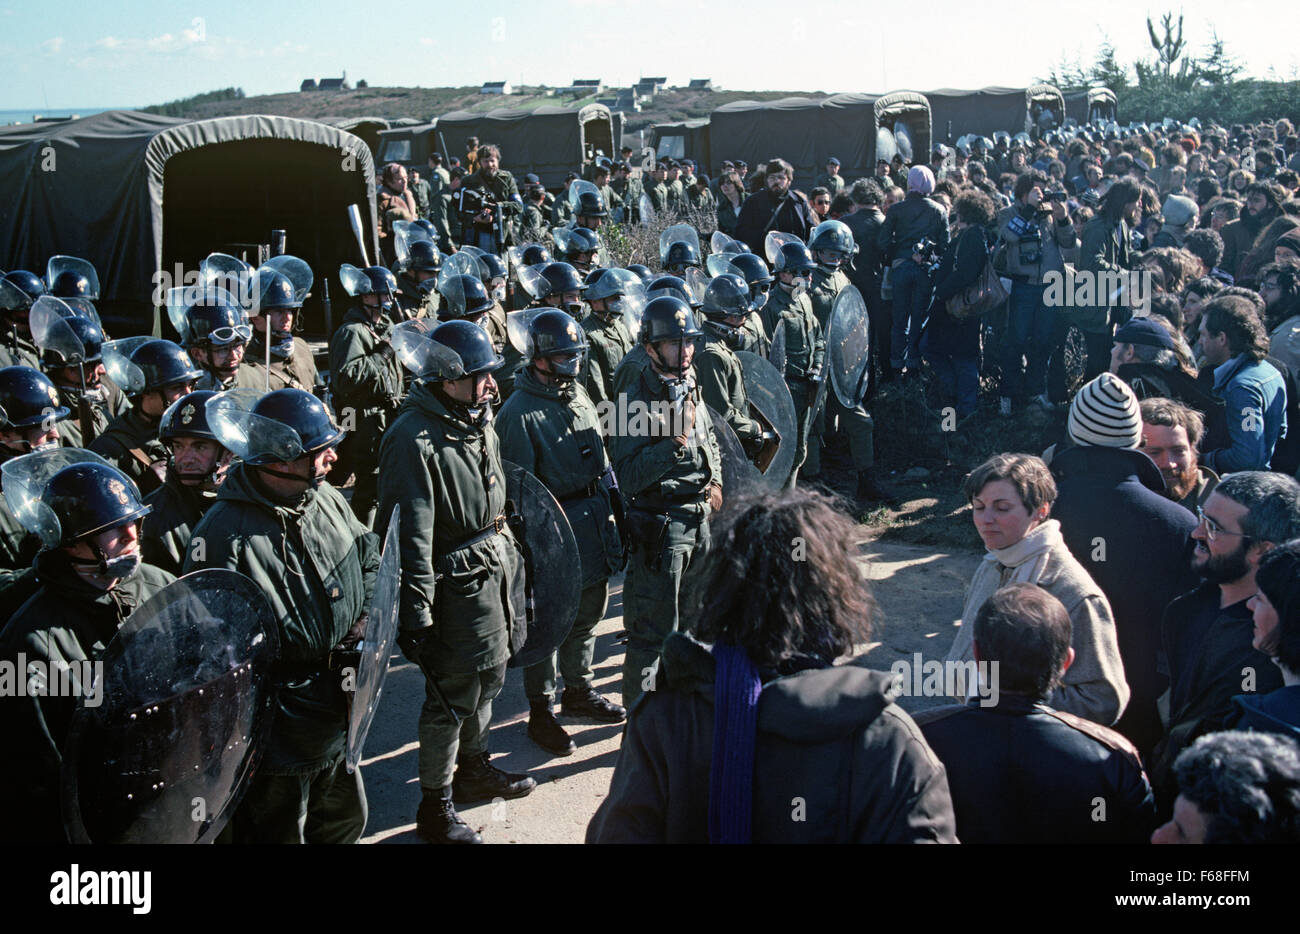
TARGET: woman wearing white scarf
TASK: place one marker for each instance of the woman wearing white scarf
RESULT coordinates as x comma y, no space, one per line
1011,496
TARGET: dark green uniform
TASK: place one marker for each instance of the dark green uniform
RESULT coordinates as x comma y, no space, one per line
561,212
722,385
16,350
104,407
629,191
608,343
754,336
805,348
668,516
130,443
554,434
459,563
701,200
316,564
243,379
366,381
70,622
422,192
856,423
832,183
441,211
613,200
532,226
658,194
676,200
297,371
166,532
414,302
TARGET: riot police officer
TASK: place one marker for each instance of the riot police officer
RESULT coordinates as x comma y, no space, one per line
550,428
18,289
579,246
91,579
590,213
754,337
217,334
416,293
30,417
196,465
465,297
564,288
278,522
718,371
79,376
366,377
832,246
680,256
292,365
789,309
670,469
156,374
440,460
608,338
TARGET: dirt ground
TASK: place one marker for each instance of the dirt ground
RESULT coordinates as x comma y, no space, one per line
919,590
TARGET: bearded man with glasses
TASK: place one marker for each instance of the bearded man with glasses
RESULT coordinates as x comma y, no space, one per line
1207,632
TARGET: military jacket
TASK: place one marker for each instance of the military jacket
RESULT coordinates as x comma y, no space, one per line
608,343
722,386
297,371
805,344
130,443
166,532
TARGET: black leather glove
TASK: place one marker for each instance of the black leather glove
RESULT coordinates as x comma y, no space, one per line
411,642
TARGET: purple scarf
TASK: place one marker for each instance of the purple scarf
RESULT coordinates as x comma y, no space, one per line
736,688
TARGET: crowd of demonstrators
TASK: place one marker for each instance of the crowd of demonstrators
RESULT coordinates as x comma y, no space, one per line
1130,634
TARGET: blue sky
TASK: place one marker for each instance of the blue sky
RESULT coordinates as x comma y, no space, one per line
64,54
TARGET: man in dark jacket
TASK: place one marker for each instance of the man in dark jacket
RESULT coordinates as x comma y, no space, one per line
909,222
837,760
1134,542
1019,771
776,207
196,466
280,524
1207,633
867,269
91,580
1263,206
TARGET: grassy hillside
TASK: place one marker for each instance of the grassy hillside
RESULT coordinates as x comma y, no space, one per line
423,103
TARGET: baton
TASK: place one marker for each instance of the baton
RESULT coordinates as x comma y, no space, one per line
354,218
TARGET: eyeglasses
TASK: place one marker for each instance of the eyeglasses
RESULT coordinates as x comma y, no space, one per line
1213,529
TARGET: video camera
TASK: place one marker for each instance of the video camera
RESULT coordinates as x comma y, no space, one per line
1029,237
928,250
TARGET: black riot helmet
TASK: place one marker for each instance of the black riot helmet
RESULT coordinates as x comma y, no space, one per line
423,256
28,398
795,258
305,414
753,268
187,417
643,272
535,255
581,240
491,266
834,241
278,293
71,284
681,254
669,284
473,291
668,318
471,343
555,334
563,278
163,364
726,296
89,498
27,282
427,226
91,337
590,204
216,322
382,280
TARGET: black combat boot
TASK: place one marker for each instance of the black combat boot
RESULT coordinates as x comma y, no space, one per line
477,779
545,730
585,701
437,821
871,490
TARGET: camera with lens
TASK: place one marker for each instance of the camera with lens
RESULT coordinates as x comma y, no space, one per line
1029,237
928,250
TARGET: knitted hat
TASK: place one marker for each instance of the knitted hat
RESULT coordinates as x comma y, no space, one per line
1179,211
920,178
1290,240
1105,413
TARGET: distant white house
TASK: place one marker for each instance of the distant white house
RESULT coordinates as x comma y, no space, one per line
496,87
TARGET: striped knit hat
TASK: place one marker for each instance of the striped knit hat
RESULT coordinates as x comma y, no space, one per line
1105,413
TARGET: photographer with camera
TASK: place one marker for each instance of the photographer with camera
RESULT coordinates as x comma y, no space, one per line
487,202
914,226
1035,234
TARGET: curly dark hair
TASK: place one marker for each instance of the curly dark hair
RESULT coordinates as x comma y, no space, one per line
781,579
1246,785
975,208
1237,317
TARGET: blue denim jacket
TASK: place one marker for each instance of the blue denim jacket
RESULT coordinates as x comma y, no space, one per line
1254,397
